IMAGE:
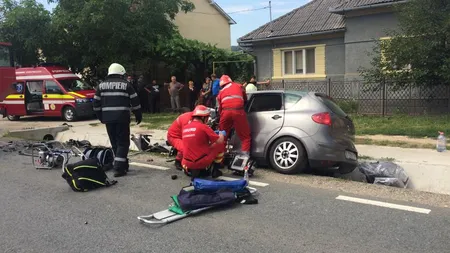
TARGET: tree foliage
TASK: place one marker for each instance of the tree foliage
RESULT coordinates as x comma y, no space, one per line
419,51
26,24
97,32
92,34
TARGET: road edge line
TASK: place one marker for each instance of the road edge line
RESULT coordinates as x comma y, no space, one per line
384,204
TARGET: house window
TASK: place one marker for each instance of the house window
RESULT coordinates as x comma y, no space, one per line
299,62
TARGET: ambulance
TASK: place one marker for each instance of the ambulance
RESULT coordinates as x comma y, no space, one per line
48,90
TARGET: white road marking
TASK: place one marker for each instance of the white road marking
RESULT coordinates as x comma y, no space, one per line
250,183
384,204
156,167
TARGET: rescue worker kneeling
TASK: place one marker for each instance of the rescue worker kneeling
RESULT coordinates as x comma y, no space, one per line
174,136
202,146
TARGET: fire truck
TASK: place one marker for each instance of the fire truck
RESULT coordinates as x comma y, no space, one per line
48,90
7,71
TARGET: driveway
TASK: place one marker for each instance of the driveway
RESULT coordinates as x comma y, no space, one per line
41,214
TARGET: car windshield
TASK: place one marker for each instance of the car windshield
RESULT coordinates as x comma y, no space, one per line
75,85
5,57
332,105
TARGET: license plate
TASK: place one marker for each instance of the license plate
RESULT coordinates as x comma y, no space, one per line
350,155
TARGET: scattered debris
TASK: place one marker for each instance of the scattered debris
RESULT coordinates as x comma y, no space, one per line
174,177
384,173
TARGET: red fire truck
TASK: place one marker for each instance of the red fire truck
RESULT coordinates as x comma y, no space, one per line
7,71
49,90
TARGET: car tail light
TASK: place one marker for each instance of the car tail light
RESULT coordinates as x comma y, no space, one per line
322,118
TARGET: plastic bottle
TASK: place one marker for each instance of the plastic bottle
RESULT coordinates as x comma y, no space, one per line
246,177
441,145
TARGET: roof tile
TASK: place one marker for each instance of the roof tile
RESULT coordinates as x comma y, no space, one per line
312,17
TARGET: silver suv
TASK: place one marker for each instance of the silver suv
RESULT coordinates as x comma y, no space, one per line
292,130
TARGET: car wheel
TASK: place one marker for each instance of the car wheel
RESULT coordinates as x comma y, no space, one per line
69,114
13,117
287,156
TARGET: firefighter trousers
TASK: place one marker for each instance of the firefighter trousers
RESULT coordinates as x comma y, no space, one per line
119,136
236,119
215,155
177,143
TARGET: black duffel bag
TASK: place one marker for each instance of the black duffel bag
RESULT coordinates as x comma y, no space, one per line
86,175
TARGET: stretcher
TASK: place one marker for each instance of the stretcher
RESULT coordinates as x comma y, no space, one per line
167,216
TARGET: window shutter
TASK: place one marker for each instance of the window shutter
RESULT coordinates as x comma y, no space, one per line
277,65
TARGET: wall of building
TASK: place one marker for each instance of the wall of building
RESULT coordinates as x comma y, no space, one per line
361,32
334,55
213,29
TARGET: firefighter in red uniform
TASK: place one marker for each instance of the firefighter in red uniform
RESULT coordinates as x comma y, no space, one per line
231,101
174,135
202,146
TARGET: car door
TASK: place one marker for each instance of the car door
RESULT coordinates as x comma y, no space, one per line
15,101
265,114
53,98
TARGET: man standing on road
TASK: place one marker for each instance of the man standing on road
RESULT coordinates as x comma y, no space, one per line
231,101
174,92
215,89
113,101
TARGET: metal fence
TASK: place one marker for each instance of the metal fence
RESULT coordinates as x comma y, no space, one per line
375,98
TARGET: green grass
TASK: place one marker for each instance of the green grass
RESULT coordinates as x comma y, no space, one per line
412,126
384,159
399,144
160,121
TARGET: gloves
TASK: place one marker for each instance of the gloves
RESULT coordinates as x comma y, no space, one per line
223,132
138,116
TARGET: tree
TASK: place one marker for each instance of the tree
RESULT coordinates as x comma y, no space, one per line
26,24
184,54
96,33
419,51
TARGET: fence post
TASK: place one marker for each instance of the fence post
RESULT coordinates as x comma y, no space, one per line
328,91
283,84
383,98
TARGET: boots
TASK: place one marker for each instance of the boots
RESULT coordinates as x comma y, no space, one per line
215,173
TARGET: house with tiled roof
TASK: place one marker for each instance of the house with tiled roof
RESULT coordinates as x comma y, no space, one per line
324,39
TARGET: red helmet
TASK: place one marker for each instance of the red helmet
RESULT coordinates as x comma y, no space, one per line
224,80
201,111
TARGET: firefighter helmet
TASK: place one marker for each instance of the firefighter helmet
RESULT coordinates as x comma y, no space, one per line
201,111
224,80
116,69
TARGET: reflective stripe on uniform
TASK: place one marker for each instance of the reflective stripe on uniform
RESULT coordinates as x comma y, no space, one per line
231,97
97,109
133,95
97,97
115,108
136,107
120,159
114,94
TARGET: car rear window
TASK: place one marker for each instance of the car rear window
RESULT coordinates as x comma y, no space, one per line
290,100
331,105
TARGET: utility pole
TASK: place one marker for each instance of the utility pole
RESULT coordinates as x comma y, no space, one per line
270,10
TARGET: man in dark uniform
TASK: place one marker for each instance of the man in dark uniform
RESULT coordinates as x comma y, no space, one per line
154,96
114,99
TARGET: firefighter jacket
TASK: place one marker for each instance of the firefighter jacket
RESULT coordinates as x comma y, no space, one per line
232,96
114,99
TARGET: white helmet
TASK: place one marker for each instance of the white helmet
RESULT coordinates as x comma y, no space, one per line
116,69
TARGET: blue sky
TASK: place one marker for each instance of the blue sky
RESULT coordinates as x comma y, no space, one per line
246,21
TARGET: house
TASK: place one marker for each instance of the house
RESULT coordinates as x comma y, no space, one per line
324,39
207,23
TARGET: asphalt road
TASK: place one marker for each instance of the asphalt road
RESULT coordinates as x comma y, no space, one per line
40,213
